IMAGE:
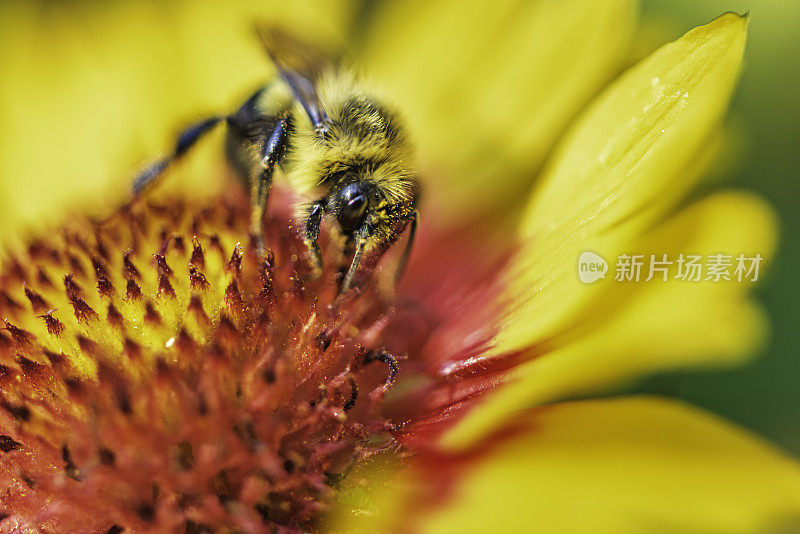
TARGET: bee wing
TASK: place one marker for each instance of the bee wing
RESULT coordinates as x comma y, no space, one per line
300,65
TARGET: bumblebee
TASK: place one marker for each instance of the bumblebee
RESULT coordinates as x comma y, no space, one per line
330,137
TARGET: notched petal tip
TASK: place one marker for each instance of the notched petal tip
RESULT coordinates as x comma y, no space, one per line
625,153
733,17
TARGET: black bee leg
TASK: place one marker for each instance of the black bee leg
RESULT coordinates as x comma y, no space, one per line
394,368
312,234
412,233
361,242
186,139
273,149
248,113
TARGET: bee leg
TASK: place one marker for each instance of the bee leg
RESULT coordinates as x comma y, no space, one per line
312,234
394,368
361,242
186,139
412,233
272,153
248,112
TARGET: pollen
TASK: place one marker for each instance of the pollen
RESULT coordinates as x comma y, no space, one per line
157,374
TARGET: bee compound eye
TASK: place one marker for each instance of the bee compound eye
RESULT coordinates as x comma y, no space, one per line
354,205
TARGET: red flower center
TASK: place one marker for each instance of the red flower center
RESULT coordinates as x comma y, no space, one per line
196,385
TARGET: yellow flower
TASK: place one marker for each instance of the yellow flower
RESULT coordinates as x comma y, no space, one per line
202,387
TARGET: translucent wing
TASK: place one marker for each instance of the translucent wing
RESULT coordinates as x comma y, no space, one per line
301,65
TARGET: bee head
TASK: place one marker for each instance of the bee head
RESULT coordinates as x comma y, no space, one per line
352,203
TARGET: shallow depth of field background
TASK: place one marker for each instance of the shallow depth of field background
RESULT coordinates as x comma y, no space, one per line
74,78
764,395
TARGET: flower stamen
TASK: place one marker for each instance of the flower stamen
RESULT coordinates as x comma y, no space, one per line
216,389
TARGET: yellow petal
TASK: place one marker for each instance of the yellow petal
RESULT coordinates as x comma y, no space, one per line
622,165
638,328
488,85
631,465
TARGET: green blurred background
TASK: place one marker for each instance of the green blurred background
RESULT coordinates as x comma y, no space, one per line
60,52
765,394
